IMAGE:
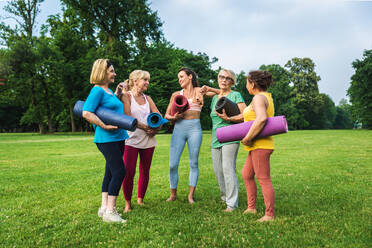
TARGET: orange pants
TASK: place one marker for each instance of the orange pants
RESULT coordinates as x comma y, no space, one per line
258,163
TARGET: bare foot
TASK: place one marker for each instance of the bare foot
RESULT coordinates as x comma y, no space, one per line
173,195
171,198
140,202
266,218
191,194
250,211
128,206
127,209
229,210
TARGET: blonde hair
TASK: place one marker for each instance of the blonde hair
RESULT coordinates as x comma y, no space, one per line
231,73
136,75
99,71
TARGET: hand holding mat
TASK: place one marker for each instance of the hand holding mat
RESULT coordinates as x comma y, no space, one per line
154,120
180,104
230,107
274,125
109,117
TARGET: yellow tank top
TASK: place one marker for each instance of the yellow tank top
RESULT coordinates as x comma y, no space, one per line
250,115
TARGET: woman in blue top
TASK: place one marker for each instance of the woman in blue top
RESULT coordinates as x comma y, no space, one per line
109,139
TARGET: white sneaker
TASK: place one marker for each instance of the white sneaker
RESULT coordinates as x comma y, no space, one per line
101,211
112,216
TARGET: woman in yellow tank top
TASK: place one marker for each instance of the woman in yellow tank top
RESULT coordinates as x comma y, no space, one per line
260,149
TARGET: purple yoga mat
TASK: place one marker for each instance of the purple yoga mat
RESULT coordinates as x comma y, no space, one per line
179,105
274,125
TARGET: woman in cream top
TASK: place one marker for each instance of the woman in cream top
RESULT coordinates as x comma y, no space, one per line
141,143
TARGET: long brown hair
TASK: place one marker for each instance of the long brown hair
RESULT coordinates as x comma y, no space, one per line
189,72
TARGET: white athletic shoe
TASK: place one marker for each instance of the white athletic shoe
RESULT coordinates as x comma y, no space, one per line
101,211
112,216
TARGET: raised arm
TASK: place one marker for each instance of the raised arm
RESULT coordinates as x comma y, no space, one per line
209,91
199,96
126,100
121,88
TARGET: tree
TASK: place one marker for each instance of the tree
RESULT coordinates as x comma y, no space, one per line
343,119
10,111
124,27
32,81
360,89
282,94
22,57
48,66
4,64
305,92
327,114
25,13
76,51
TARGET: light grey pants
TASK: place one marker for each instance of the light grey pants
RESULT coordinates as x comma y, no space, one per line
224,166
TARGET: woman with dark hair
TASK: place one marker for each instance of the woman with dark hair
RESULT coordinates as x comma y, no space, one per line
260,149
187,128
109,139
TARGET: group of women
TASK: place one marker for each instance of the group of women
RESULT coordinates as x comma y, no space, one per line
121,148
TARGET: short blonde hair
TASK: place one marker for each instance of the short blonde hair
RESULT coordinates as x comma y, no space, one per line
231,73
99,71
136,75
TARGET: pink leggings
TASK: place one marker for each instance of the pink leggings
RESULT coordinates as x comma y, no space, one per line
258,163
130,160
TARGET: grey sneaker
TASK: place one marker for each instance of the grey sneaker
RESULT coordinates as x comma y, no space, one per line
112,216
101,211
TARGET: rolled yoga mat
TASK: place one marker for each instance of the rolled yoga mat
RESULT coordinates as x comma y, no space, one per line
109,117
231,108
274,125
154,120
179,105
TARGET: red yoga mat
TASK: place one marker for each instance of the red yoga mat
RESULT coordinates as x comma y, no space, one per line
179,105
274,125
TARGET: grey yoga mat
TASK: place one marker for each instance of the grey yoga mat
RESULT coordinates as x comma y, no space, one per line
230,107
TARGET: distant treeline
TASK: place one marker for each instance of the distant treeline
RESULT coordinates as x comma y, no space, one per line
47,74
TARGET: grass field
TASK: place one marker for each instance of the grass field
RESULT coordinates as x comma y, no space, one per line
50,193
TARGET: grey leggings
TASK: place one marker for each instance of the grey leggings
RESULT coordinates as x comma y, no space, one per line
224,166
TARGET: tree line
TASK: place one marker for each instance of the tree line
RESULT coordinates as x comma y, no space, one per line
48,73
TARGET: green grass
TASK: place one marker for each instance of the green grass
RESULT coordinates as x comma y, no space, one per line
50,193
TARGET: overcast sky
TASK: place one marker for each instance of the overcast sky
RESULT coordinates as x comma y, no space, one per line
244,34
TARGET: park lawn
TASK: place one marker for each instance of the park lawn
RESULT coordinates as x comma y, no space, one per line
50,193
